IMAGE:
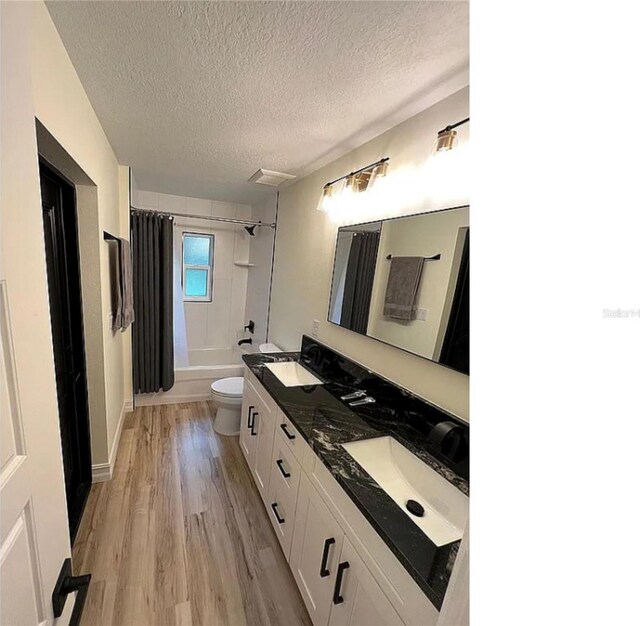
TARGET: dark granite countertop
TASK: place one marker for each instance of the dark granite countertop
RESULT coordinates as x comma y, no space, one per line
325,422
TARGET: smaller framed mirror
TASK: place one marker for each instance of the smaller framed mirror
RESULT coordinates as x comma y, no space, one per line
405,281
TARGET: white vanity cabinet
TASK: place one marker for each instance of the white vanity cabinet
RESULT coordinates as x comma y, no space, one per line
336,586
315,553
257,430
358,599
345,572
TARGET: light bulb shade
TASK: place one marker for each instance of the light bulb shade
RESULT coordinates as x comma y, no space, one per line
378,173
380,170
325,199
446,140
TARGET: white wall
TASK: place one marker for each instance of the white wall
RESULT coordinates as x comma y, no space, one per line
57,99
306,239
215,324
39,81
259,279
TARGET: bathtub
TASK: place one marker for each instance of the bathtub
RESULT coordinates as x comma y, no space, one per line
193,381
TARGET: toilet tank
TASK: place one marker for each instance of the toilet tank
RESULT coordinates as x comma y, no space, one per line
269,347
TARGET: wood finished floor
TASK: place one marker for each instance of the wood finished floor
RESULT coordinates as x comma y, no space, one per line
180,535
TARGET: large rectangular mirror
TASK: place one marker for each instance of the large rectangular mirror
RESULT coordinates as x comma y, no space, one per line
405,281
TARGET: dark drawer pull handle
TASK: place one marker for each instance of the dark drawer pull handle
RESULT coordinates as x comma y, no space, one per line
324,570
253,424
282,470
274,506
249,415
337,598
286,432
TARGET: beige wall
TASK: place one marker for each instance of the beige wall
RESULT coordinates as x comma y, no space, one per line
425,235
52,93
306,238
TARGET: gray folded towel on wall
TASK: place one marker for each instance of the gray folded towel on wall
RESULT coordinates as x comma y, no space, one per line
126,282
402,287
123,288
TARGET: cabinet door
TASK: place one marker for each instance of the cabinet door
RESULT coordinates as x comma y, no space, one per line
357,599
317,542
265,426
248,432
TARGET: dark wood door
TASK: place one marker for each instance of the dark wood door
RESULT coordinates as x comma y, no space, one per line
65,302
455,349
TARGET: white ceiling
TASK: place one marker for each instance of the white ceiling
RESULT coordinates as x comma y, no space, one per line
196,96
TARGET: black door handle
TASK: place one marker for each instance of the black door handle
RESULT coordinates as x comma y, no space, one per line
282,470
324,570
274,506
66,584
286,432
249,415
253,423
337,598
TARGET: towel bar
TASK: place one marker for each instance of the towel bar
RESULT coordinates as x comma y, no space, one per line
435,257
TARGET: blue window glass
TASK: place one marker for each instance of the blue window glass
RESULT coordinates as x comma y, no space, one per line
196,282
197,266
197,250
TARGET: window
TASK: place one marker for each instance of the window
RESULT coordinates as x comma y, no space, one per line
197,267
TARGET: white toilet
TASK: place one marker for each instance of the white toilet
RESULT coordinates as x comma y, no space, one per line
226,394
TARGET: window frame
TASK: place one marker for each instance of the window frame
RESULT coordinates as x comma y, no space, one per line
208,297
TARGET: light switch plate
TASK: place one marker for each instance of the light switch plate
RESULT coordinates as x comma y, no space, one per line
315,328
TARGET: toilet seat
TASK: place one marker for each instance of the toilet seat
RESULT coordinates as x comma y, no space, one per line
231,387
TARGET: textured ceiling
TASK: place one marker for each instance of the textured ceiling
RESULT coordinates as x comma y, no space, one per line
196,96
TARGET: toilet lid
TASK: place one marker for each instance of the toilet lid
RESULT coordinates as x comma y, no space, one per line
232,386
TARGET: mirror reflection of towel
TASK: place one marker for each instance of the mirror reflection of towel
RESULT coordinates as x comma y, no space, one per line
402,287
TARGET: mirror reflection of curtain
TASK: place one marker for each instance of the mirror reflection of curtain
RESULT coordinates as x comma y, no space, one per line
358,285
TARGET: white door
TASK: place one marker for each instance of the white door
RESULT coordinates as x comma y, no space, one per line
266,426
315,552
357,598
24,598
248,432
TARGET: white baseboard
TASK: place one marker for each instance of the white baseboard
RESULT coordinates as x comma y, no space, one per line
101,472
153,400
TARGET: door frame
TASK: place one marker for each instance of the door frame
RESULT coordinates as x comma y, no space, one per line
84,447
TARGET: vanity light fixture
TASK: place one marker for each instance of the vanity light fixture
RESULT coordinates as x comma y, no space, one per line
447,136
354,182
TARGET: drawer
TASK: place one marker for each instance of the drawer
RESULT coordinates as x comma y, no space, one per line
291,436
281,508
285,469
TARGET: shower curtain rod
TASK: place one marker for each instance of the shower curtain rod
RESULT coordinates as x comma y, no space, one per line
208,217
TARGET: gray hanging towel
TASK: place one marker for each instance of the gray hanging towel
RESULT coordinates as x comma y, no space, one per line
126,285
402,287
116,290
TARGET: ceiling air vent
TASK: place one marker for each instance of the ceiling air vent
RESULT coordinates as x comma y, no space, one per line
269,177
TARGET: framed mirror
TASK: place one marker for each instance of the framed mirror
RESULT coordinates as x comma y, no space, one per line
405,281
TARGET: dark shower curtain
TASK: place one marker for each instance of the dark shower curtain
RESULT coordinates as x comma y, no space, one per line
358,283
152,252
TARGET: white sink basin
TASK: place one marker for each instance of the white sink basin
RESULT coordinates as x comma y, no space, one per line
292,374
403,476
